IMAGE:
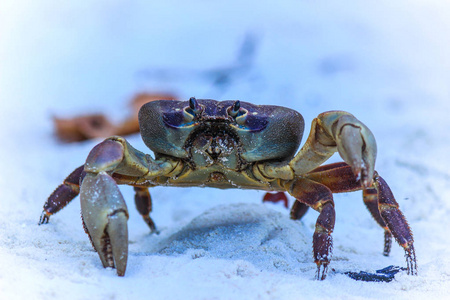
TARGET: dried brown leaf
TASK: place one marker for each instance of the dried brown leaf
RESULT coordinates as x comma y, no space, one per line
91,126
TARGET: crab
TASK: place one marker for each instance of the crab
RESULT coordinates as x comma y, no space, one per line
232,144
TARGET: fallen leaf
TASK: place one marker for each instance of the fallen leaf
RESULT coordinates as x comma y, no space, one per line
91,126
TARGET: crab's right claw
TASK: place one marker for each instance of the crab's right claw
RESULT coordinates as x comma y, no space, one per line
105,218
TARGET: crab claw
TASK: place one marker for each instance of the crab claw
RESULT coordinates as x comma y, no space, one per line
105,218
356,145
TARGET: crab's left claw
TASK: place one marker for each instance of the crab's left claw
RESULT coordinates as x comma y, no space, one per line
105,216
356,145
330,132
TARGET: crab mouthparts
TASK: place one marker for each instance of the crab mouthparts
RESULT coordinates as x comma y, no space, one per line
214,141
215,145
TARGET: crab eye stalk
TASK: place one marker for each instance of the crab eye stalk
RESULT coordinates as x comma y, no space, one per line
193,104
192,111
234,109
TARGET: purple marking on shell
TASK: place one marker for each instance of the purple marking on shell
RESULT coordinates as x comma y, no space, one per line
173,119
255,123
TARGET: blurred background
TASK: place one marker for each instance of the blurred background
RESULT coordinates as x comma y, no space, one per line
387,62
353,56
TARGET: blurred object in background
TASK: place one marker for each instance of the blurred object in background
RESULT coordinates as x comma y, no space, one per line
276,197
219,78
98,125
223,77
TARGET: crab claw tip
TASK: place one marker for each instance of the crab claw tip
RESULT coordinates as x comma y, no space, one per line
118,235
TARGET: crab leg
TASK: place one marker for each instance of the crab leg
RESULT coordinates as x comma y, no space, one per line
320,198
298,210
143,203
370,197
339,178
396,222
63,194
276,197
380,202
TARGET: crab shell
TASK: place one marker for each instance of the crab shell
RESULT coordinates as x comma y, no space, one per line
263,132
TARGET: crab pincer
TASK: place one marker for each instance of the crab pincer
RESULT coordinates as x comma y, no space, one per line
105,218
103,208
355,143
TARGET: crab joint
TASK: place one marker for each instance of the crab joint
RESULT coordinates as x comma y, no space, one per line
106,156
270,171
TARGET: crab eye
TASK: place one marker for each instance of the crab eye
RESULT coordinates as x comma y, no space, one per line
234,109
194,106
238,113
191,111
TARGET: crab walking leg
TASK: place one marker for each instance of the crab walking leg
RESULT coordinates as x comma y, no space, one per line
143,203
276,197
339,178
298,210
320,198
370,197
63,194
396,222
380,202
